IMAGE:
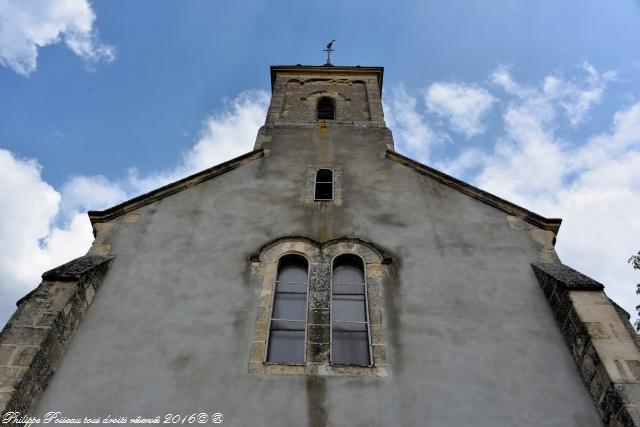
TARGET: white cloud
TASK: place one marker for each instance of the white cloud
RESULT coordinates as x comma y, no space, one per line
411,132
594,187
463,105
31,243
224,135
82,193
575,97
41,227
26,25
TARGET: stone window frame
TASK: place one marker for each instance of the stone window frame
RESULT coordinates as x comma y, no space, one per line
310,186
318,329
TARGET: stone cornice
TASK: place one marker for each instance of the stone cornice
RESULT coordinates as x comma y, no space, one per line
551,224
174,187
326,70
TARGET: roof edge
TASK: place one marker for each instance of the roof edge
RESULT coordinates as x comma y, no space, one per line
551,224
326,69
172,188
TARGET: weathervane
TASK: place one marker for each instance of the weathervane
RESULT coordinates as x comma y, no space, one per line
329,50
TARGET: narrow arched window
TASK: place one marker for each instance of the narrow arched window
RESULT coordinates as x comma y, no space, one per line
324,184
289,313
349,313
326,109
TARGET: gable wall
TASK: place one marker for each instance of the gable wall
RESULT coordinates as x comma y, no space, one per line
469,336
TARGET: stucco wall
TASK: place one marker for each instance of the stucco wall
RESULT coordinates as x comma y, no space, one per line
470,338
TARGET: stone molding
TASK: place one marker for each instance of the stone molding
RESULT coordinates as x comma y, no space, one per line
320,256
35,338
172,188
551,224
310,184
600,341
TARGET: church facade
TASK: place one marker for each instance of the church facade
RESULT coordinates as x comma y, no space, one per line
322,279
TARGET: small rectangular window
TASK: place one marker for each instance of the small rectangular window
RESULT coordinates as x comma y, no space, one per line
324,184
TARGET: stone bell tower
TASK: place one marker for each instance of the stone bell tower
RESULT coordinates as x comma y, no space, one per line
354,93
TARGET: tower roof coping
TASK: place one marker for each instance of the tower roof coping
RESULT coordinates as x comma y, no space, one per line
327,69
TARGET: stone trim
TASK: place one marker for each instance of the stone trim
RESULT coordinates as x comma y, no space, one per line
35,338
310,185
318,330
599,339
174,187
551,224
329,71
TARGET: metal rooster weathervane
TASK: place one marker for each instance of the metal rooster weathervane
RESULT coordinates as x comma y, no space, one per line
329,49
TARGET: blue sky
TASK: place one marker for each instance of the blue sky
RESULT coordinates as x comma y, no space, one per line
538,102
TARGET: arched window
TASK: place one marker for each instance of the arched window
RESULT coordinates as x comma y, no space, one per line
326,109
289,313
349,314
324,184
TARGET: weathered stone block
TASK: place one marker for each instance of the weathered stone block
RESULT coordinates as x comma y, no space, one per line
77,268
598,384
379,356
318,333
10,376
567,277
596,330
376,335
25,356
634,367
375,316
318,352
257,351
24,335
589,365
318,316
6,354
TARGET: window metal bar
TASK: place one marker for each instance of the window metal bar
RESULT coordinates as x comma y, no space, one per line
293,283
349,321
298,293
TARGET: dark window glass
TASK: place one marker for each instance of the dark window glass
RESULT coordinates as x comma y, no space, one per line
324,184
288,318
349,320
326,109
286,346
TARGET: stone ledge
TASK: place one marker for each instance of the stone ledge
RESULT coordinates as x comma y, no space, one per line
600,340
74,270
566,277
35,338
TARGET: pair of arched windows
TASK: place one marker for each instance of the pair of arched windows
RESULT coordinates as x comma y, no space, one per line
349,318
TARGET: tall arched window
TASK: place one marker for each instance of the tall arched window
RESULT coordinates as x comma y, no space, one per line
289,313
326,109
349,316
324,184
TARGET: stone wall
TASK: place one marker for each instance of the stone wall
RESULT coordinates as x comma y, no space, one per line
34,340
601,341
356,96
